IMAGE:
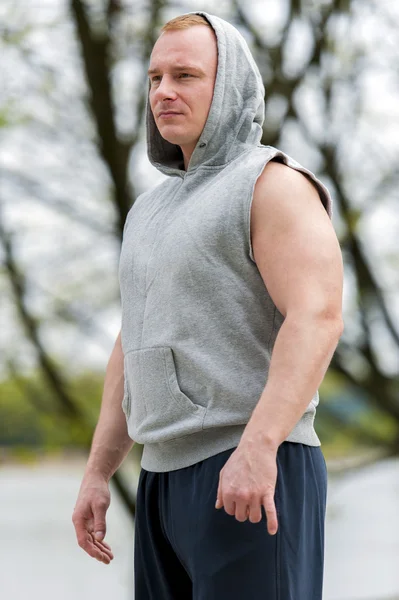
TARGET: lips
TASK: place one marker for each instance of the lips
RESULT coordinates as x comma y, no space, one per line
167,113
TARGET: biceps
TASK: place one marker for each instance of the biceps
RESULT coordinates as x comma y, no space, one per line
300,261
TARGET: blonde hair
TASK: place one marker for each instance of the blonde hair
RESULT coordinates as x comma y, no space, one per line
184,22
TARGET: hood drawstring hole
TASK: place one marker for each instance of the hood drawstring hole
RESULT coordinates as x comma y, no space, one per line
202,145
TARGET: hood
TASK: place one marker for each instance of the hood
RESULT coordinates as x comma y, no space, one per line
236,115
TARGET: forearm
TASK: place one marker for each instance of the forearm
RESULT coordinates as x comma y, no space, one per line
301,355
111,442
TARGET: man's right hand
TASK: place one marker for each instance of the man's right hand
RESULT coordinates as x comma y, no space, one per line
89,517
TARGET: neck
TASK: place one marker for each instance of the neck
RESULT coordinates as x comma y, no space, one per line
187,153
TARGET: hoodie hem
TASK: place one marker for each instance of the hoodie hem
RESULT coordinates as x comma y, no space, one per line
187,450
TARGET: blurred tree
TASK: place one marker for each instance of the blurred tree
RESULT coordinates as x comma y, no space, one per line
80,161
331,70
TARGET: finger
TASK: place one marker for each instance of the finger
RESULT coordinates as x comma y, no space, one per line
83,522
101,546
229,506
254,512
219,498
86,542
103,549
102,553
104,543
241,511
271,514
100,527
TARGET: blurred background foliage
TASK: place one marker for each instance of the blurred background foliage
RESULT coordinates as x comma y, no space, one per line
73,160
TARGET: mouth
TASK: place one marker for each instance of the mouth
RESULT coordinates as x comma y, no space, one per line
168,115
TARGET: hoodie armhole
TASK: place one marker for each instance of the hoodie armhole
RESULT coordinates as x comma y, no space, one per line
248,212
322,190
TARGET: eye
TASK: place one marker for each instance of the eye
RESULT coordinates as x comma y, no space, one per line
156,77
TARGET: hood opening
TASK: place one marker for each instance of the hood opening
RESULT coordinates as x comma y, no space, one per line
236,115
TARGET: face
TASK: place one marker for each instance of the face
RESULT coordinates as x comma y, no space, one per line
182,73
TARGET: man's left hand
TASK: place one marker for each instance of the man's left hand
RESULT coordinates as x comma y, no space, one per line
247,481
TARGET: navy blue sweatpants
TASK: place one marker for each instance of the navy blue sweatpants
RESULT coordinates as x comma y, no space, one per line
186,549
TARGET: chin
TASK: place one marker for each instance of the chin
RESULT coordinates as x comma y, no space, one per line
178,140
172,139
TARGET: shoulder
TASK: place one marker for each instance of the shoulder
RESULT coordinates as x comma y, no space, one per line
285,190
278,179
293,240
279,172
286,206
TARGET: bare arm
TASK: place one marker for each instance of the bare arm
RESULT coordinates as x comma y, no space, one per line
299,259
111,443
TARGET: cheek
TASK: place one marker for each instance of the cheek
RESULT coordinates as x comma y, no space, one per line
207,98
202,102
151,98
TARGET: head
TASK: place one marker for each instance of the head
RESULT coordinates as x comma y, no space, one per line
182,73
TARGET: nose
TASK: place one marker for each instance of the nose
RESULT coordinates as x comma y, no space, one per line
165,89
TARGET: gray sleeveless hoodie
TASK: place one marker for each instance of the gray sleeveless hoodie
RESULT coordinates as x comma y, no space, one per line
198,324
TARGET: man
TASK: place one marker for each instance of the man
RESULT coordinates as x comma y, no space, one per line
231,287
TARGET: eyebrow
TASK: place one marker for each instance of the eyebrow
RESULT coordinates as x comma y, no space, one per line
178,68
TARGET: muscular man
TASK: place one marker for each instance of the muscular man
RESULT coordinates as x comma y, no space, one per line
231,287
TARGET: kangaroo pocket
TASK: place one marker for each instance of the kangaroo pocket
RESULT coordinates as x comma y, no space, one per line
155,407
